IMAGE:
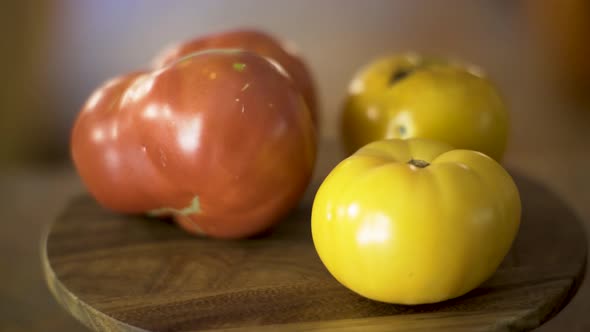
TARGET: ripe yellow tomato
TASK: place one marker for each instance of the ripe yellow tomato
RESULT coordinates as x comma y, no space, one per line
411,96
414,221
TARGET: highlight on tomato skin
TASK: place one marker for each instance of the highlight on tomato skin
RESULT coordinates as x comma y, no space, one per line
220,140
283,53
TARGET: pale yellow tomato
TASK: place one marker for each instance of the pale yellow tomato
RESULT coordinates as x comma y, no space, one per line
411,96
414,221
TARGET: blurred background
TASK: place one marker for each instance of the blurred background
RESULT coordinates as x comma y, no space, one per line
55,52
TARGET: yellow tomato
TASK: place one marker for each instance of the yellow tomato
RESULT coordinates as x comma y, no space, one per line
410,96
414,221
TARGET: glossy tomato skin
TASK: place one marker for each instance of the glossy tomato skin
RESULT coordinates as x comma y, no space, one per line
221,140
395,232
406,96
258,42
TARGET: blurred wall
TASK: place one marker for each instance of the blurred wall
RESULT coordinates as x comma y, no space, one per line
63,49
26,108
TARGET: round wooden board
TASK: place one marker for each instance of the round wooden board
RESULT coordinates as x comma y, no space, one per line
119,273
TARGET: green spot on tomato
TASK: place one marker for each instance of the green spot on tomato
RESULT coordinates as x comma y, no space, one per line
239,66
193,208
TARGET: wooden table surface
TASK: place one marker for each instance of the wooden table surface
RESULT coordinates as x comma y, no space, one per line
120,273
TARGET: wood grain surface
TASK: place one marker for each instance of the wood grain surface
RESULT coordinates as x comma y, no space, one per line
118,273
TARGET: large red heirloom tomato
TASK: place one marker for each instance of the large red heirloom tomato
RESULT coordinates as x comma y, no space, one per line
259,43
220,140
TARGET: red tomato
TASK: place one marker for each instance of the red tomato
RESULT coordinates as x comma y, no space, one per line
257,42
220,140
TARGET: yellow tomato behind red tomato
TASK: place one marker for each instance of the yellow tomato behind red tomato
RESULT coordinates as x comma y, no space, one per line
414,221
410,96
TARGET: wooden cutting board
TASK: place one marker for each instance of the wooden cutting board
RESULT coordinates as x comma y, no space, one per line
121,273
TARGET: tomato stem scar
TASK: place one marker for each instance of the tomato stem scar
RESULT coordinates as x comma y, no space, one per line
418,163
399,75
